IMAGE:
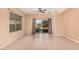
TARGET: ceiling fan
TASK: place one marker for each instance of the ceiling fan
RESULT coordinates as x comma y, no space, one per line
41,10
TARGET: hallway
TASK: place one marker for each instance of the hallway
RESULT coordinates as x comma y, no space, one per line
42,41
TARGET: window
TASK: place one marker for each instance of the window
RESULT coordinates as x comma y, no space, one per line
15,22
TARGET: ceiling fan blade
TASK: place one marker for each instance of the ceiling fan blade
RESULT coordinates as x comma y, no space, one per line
45,10
36,11
42,12
40,9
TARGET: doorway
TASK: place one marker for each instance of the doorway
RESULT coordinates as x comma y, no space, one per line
42,26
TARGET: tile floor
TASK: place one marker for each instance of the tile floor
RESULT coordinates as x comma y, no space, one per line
42,41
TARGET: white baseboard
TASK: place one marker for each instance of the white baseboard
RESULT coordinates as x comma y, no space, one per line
71,39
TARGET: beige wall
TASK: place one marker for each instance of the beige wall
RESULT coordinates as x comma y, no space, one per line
71,23
5,36
28,28
58,25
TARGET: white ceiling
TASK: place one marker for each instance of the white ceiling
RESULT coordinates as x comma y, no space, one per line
32,10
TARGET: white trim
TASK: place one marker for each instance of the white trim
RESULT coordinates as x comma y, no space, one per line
70,38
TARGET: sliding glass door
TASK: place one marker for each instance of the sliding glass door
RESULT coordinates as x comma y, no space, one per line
42,26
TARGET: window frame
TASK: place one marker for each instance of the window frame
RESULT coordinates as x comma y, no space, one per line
16,21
